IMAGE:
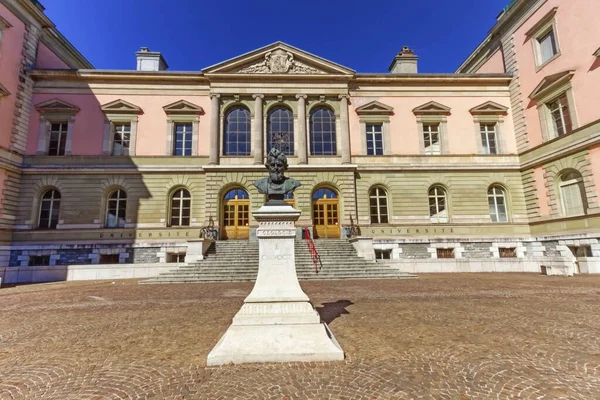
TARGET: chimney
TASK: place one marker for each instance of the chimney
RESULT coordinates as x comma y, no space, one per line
405,62
150,60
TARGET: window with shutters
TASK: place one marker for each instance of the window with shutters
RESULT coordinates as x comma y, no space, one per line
431,139
437,205
378,204
544,39
180,210
497,204
572,194
560,115
488,138
49,209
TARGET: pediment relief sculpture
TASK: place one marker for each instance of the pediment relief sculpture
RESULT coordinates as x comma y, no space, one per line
279,62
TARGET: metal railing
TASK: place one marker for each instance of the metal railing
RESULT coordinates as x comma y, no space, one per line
313,250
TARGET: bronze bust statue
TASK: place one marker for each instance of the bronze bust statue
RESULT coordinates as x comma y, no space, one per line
277,184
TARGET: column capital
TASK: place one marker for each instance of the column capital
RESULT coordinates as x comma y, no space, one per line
344,96
258,96
213,95
301,96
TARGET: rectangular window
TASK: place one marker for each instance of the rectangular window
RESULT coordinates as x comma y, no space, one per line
176,257
547,46
445,253
488,138
383,254
109,259
507,252
431,138
374,140
121,138
182,143
561,118
39,261
58,138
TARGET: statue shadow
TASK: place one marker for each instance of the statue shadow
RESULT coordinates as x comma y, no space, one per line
331,311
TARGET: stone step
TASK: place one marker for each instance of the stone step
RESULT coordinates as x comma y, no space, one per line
237,261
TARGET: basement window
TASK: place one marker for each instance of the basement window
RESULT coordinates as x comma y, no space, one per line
176,257
383,254
507,252
39,261
445,253
109,259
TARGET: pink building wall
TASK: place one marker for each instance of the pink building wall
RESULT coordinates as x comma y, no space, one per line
404,130
495,64
578,38
88,128
10,64
46,59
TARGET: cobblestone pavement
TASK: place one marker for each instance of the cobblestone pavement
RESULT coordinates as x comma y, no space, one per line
454,336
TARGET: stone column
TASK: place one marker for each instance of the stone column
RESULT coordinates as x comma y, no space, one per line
302,150
344,129
257,129
213,155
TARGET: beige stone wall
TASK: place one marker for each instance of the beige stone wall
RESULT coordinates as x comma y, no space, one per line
580,162
466,195
83,197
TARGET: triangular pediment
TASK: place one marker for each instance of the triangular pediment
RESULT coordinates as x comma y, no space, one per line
56,106
374,108
3,91
278,59
120,107
433,108
489,107
183,107
551,82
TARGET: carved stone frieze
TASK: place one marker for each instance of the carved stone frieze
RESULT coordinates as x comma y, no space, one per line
279,62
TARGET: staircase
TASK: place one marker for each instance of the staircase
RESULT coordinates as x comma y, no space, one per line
237,261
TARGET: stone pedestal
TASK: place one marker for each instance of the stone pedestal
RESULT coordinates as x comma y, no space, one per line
277,323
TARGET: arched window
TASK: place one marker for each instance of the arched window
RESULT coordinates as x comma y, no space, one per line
236,139
324,193
497,203
378,206
437,205
49,209
572,194
180,208
115,209
280,130
322,132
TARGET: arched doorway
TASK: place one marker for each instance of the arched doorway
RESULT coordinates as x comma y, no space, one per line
236,215
325,205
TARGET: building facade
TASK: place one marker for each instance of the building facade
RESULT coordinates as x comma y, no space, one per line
493,168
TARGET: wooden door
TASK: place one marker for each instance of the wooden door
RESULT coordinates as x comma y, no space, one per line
326,214
236,215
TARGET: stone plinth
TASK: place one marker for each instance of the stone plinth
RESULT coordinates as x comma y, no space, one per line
277,323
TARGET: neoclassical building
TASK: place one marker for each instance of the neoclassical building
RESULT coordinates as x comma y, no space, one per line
495,167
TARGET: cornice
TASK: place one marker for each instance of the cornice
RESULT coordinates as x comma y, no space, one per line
64,49
93,75
435,79
579,140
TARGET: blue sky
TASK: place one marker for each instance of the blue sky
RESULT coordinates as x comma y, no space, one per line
194,34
